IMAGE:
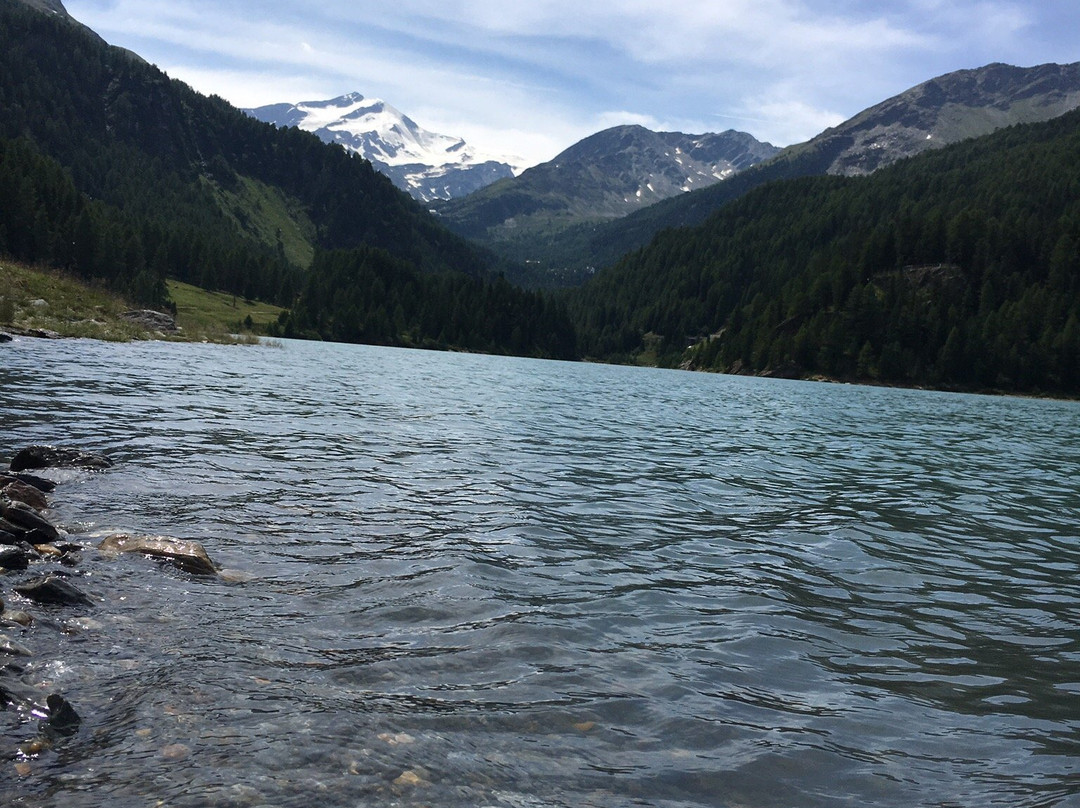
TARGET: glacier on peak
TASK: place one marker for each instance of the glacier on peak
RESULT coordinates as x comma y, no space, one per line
426,164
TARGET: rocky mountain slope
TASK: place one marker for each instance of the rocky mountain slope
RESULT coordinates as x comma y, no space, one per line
605,176
948,109
426,164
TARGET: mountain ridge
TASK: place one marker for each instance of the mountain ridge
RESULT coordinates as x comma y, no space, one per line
951,107
602,177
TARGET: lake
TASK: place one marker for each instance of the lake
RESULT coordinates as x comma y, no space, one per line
465,580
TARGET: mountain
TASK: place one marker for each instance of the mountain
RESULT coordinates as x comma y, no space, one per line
427,165
936,113
957,268
605,176
948,109
114,172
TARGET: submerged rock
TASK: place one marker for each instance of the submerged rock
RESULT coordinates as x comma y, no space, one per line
13,558
187,555
17,617
9,646
62,718
41,457
51,589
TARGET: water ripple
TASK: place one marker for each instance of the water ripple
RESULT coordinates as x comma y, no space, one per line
541,584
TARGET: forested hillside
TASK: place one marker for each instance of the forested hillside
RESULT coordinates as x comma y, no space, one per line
368,296
113,171
956,268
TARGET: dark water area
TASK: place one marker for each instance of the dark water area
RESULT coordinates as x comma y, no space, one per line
481,581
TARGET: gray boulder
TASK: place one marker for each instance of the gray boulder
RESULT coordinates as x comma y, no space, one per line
23,516
13,558
52,589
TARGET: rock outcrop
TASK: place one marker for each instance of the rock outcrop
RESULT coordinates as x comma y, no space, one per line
151,320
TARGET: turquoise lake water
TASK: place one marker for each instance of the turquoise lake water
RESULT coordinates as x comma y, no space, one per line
481,581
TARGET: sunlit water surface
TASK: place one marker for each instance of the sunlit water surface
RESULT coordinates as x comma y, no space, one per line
481,581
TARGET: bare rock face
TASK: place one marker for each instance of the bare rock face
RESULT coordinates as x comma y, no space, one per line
950,108
187,555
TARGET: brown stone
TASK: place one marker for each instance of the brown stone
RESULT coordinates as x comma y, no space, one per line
18,491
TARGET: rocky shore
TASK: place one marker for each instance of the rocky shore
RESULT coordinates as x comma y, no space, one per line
40,588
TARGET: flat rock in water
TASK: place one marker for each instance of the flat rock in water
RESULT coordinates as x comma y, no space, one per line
5,337
51,589
41,457
187,555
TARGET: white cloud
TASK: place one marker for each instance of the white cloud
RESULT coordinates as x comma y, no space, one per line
790,120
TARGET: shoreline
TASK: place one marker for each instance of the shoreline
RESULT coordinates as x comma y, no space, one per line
253,339
41,570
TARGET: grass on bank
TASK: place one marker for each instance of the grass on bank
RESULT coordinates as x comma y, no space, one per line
35,298
204,312
40,298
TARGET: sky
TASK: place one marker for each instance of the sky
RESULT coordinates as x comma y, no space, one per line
530,78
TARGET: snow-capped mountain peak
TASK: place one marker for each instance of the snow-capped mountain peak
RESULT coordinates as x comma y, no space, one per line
427,164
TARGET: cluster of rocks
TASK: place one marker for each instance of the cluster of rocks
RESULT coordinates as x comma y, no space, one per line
43,557
39,333
151,320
